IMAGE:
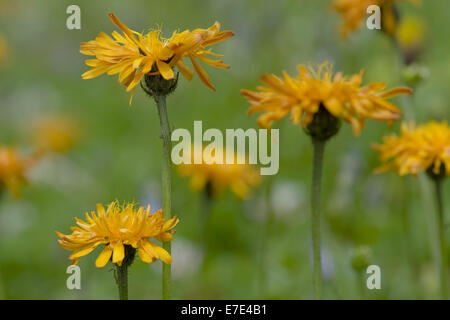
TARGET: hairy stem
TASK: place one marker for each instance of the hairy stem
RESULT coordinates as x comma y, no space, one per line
166,186
318,146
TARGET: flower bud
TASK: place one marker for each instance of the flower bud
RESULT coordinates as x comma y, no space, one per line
323,125
156,85
414,74
361,258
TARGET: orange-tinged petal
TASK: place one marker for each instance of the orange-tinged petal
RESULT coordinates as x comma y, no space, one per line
395,92
218,38
202,74
185,71
124,28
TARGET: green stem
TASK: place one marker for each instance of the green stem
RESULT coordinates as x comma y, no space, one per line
319,146
205,212
122,281
362,285
265,237
443,251
166,186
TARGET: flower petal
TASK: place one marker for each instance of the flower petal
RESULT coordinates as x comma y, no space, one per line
118,253
165,70
103,257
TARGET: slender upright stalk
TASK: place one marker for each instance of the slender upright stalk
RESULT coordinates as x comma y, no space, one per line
122,281
443,251
166,185
362,285
318,146
265,237
206,207
205,214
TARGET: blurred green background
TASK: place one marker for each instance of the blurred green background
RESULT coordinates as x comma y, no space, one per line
249,255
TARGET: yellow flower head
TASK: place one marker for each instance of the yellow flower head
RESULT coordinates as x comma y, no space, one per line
353,13
411,32
116,227
133,55
215,178
56,133
416,149
341,96
12,169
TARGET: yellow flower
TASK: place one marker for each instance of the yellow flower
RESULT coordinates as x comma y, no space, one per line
215,178
354,11
12,169
134,55
187,44
56,133
116,227
341,96
411,32
416,149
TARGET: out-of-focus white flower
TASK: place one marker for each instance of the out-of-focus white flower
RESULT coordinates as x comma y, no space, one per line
287,197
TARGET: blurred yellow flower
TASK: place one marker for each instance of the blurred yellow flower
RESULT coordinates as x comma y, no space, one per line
134,55
411,32
116,227
56,133
12,169
354,11
3,50
416,149
410,37
341,96
215,178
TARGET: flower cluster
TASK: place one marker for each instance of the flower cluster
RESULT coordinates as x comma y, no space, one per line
133,55
343,97
416,149
118,226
